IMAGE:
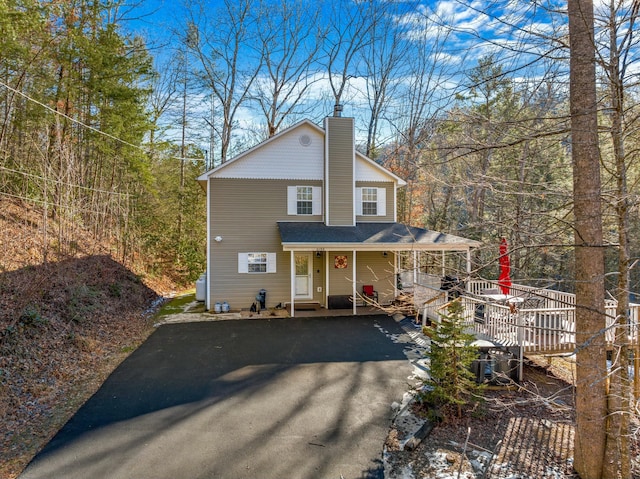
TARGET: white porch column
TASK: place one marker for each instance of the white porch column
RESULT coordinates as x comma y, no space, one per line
353,292
326,279
444,271
468,267
292,280
415,266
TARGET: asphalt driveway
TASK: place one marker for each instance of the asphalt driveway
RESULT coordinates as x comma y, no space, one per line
279,398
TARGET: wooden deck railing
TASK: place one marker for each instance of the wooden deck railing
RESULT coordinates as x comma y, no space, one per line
547,327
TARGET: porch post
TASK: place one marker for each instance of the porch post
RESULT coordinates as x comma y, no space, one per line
415,267
444,271
520,325
353,292
292,280
468,267
326,279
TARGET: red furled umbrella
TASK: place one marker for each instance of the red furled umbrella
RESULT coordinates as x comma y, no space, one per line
504,280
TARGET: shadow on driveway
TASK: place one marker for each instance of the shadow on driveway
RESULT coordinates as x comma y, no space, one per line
306,397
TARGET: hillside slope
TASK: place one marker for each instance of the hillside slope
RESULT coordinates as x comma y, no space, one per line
65,324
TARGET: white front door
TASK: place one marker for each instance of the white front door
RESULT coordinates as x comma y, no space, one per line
304,277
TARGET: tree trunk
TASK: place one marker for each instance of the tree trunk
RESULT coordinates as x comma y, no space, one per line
591,400
617,455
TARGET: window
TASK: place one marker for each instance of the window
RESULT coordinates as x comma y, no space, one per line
256,262
304,200
370,201
304,204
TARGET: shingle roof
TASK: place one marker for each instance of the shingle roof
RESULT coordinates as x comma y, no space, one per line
391,236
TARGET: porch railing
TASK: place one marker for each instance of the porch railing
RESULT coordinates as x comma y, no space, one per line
547,326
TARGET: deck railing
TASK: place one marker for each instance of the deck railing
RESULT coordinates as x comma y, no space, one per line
548,326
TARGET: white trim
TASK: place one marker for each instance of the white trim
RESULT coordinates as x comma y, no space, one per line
353,177
353,285
208,174
316,198
382,202
292,200
243,263
372,247
309,294
207,301
358,207
271,263
292,282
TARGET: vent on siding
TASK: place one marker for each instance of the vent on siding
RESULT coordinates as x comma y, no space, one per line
305,140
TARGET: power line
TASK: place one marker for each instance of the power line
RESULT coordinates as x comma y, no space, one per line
59,182
94,129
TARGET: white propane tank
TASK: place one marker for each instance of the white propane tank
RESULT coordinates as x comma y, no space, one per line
201,288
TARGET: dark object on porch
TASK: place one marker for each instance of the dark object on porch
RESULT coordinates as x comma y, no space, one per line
452,285
339,301
369,293
261,297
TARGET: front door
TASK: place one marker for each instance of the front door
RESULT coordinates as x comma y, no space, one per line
304,285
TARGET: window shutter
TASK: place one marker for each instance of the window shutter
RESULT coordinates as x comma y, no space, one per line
292,200
317,200
271,262
359,201
243,263
382,202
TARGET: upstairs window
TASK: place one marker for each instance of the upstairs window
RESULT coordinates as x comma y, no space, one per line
304,203
304,200
371,201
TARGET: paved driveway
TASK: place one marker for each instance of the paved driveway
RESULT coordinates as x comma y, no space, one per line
280,398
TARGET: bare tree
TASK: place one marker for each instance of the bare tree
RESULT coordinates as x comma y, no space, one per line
383,57
223,40
618,20
349,24
289,40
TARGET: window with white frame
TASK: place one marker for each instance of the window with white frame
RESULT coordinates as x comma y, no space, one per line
304,200
304,203
256,262
371,201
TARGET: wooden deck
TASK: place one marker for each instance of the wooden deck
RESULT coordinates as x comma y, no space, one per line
539,321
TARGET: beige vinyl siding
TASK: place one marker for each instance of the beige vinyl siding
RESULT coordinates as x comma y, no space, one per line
340,168
391,207
318,278
376,269
340,279
245,214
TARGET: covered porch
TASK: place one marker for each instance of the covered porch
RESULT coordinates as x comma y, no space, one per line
355,265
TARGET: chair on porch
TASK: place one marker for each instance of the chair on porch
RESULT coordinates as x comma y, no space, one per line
369,293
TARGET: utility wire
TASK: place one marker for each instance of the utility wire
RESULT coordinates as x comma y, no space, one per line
96,130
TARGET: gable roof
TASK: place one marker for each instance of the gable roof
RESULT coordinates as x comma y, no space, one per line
305,149
365,236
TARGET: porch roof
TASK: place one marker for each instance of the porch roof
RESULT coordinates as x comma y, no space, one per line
314,236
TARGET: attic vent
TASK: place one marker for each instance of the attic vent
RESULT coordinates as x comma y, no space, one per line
305,140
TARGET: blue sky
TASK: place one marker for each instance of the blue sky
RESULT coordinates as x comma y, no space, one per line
473,29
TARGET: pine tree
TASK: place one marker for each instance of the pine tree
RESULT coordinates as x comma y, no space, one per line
451,380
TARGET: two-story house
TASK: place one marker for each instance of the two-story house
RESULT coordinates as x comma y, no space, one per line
307,218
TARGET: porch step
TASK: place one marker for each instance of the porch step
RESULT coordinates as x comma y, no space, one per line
307,306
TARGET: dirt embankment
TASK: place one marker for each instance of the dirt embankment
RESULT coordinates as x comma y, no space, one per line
65,324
